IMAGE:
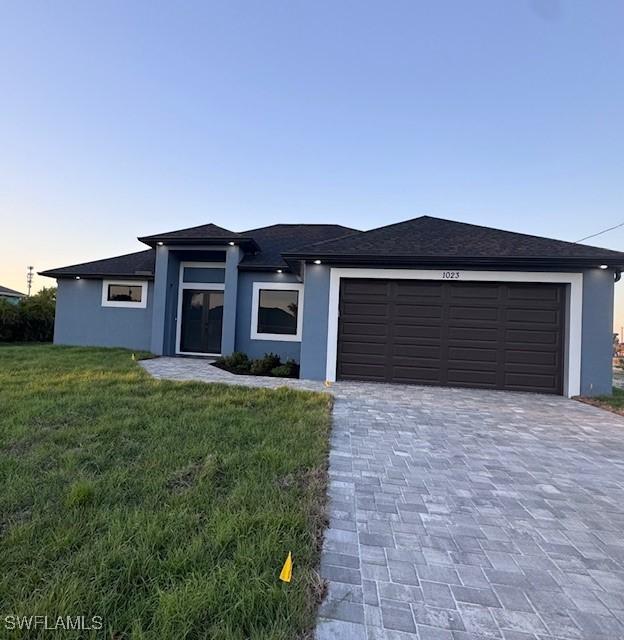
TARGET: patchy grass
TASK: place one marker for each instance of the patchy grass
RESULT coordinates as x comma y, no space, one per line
614,403
166,508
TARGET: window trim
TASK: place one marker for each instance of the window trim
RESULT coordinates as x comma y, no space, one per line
125,304
255,308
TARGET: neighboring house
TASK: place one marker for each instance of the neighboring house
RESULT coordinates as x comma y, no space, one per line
11,295
425,301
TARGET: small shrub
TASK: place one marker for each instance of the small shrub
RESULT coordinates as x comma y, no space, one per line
269,365
263,366
288,370
237,362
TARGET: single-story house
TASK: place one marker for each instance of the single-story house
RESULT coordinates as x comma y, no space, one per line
11,295
425,301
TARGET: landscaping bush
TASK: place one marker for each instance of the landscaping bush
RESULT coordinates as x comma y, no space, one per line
9,321
288,370
30,320
263,366
236,363
269,365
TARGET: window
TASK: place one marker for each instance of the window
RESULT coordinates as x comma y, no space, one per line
276,311
131,294
124,293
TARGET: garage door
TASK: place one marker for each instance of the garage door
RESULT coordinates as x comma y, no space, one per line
489,335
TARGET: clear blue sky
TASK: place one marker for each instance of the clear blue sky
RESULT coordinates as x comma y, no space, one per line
126,118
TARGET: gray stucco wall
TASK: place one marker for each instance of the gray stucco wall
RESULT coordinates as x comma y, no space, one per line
257,348
316,304
597,342
82,320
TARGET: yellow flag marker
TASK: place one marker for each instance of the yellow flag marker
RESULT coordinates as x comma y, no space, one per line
286,573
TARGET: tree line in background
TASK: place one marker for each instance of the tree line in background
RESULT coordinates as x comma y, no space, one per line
30,320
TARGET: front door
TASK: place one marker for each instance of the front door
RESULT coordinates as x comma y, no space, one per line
201,322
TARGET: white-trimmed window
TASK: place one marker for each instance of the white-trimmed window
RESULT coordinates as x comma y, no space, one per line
277,311
129,294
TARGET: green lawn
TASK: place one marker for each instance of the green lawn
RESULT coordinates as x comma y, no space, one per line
165,508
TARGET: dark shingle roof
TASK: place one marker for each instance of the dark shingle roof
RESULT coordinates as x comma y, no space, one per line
130,265
271,240
424,240
205,234
437,239
278,238
5,291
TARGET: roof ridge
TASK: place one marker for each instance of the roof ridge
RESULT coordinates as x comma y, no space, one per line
515,233
298,224
197,226
459,223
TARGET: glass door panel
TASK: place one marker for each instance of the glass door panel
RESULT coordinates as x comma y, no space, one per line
202,321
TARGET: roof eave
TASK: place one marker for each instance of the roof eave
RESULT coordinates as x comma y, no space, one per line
247,243
95,276
495,261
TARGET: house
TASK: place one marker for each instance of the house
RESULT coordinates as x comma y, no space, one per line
11,295
425,301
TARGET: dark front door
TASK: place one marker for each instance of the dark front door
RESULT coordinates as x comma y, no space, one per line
202,321
470,334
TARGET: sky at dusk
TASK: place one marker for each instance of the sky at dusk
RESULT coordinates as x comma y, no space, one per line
120,119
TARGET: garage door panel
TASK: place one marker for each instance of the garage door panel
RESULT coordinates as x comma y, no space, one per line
425,375
472,377
366,309
363,370
488,314
357,287
366,329
532,358
533,316
430,331
526,337
486,335
371,347
473,291
417,350
414,311
534,293
466,333
530,381
418,290
472,355
472,365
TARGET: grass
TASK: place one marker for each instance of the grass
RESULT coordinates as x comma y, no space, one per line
166,508
614,403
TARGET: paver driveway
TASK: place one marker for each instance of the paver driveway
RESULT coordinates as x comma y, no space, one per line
465,515
473,514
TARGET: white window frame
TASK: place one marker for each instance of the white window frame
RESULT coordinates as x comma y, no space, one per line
572,347
255,308
198,286
125,304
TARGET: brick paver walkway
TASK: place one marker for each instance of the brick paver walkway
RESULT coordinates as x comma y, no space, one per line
466,515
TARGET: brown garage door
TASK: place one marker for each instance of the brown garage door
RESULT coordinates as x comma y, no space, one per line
468,334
